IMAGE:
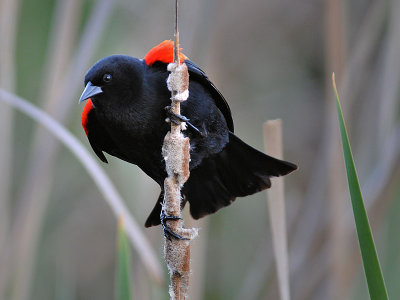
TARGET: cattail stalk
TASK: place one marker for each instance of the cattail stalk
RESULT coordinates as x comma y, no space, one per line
176,154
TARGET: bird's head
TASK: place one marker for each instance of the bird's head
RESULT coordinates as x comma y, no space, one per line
112,80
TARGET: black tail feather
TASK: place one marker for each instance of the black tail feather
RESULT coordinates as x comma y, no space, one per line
154,217
237,171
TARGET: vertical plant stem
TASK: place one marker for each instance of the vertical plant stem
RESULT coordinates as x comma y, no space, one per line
64,30
8,31
8,28
389,104
335,57
276,205
175,151
123,273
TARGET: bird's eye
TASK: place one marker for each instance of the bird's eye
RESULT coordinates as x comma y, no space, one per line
107,78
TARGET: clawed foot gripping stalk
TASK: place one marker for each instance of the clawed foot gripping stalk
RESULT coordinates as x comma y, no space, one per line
178,119
168,232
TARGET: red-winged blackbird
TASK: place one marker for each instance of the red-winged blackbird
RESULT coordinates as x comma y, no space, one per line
125,117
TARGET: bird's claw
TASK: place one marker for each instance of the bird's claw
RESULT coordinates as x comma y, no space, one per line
168,232
177,119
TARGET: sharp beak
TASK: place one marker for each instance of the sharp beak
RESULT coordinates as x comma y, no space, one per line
89,91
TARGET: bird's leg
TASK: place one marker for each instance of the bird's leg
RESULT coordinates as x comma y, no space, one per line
168,232
177,119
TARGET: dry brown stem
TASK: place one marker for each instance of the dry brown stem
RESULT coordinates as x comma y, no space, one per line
176,155
276,204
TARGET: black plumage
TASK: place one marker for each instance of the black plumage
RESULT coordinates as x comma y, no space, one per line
126,119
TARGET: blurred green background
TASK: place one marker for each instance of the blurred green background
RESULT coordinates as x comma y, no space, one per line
270,59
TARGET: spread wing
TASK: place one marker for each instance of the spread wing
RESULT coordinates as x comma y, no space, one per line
195,73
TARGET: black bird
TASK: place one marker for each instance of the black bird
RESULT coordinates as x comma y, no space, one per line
125,117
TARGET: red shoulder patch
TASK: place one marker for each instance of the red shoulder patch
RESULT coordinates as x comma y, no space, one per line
88,107
163,52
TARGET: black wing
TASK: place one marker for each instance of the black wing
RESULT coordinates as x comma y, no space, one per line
237,171
100,140
198,74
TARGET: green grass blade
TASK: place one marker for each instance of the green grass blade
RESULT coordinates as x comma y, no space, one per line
123,278
373,273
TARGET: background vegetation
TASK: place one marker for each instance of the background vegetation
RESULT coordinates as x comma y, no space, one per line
270,59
